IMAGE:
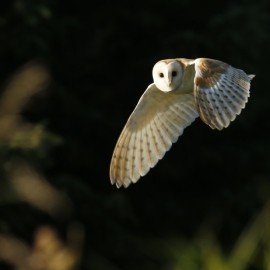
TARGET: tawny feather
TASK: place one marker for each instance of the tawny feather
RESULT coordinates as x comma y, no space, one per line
221,92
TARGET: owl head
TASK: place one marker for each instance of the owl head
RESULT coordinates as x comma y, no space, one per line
167,75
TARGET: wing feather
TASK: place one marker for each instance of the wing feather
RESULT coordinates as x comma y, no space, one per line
164,131
123,153
148,153
221,91
133,172
161,141
153,141
139,153
157,121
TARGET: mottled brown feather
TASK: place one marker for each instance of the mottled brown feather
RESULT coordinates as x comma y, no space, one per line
221,91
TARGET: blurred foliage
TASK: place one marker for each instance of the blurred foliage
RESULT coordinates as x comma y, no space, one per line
70,74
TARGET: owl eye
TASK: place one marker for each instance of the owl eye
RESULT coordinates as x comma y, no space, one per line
161,75
174,73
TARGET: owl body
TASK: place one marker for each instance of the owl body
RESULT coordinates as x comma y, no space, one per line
183,89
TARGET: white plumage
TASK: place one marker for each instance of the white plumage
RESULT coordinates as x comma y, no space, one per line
183,89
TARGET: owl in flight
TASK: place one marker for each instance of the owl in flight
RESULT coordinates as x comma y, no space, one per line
183,89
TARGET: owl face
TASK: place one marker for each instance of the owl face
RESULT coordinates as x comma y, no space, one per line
167,75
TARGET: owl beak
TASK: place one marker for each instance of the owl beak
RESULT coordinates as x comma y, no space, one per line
169,81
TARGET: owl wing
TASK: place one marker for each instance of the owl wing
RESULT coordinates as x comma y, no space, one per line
157,121
221,91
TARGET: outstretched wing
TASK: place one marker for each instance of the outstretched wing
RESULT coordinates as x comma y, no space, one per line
157,121
221,91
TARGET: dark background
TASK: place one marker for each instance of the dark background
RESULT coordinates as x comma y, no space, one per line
100,55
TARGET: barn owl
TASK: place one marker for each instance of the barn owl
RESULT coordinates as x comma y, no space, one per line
183,89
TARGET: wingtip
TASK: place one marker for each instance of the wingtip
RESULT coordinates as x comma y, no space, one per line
115,182
251,76
120,184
